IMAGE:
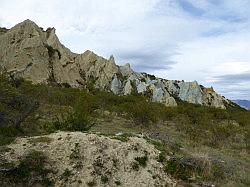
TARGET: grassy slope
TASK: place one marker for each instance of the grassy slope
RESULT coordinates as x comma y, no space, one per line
204,144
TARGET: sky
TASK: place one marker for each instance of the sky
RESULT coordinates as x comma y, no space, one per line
203,40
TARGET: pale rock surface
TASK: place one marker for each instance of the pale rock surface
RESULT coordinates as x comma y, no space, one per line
28,51
141,87
22,52
97,69
116,85
215,100
128,88
97,156
170,101
126,70
190,92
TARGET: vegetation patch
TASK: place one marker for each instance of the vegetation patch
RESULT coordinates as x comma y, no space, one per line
135,166
121,138
91,183
124,137
104,179
66,174
181,168
4,149
118,183
42,139
75,152
23,105
140,161
31,171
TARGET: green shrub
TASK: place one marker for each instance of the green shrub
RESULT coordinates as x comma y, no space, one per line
73,122
135,166
104,179
31,171
75,152
7,135
142,161
91,183
118,183
183,168
66,174
40,140
78,120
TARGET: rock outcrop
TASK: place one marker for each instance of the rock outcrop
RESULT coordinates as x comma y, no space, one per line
28,51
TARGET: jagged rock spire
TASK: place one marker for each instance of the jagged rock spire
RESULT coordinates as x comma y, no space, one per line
36,55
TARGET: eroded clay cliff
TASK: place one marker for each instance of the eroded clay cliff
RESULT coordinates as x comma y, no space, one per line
27,51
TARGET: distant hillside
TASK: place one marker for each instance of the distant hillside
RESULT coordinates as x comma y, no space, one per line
243,103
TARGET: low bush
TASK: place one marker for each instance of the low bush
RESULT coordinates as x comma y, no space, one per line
184,168
142,161
31,171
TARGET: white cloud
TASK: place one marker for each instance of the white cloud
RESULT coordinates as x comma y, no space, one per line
199,40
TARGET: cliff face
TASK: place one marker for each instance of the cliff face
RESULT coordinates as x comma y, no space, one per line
28,51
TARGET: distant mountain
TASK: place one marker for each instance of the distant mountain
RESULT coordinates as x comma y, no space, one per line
243,103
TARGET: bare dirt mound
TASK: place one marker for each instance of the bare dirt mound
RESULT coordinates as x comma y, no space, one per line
81,159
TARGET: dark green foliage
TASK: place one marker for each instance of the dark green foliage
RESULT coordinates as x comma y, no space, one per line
78,120
75,152
33,163
162,157
104,179
7,135
152,77
197,169
135,166
66,85
161,147
66,174
73,122
3,30
91,183
31,171
183,168
14,107
122,138
19,100
46,140
225,130
118,183
140,161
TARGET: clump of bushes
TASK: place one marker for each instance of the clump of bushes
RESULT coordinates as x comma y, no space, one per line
216,128
104,179
31,171
140,161
183,168
201,170
20,99
41,139
78,120
66,174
